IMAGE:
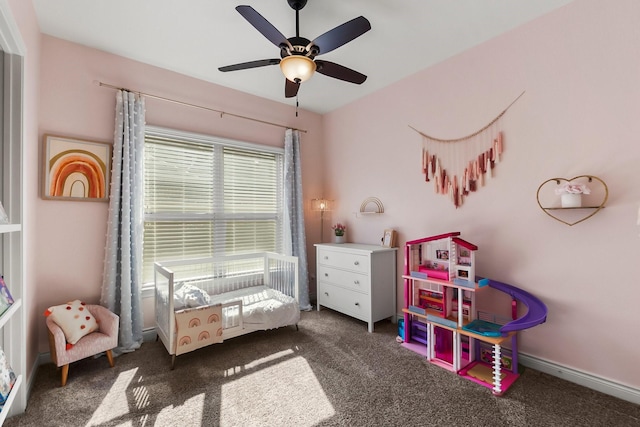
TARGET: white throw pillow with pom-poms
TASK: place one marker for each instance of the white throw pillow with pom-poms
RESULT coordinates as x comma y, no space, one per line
74,319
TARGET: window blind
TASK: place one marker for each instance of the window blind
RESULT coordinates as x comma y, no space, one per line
206,196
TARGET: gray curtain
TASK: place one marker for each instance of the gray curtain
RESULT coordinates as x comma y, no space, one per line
295,239
122,276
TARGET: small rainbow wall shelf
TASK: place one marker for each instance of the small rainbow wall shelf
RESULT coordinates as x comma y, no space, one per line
442,322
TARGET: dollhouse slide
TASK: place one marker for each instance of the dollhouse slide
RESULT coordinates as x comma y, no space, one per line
537,310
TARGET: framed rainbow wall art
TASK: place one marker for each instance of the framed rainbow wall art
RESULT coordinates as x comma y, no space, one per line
75,169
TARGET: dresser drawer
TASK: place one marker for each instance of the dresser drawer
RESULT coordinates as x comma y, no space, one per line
347,279
345,301
346,260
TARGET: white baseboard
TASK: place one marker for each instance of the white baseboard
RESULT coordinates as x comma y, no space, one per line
34,370
42,359
149,335
593,382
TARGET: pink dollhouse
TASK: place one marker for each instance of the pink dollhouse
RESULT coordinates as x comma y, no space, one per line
442,322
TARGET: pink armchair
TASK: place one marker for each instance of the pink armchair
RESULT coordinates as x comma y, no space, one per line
105,339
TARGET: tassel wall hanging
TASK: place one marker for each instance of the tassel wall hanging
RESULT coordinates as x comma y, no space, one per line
457,167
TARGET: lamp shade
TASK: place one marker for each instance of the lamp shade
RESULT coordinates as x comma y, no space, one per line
320,205
297,68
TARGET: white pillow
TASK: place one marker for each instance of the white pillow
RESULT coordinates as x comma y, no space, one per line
74,319
190,296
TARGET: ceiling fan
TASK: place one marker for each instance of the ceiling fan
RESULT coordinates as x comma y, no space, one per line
297,54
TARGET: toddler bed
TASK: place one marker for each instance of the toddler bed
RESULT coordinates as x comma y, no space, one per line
203,301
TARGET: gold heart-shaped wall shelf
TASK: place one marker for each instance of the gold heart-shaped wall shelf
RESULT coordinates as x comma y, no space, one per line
594,209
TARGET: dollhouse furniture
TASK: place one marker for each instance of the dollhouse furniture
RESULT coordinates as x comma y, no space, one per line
102,340
442,322
357,280
204,301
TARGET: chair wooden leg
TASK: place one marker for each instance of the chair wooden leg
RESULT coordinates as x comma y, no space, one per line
110,358
65,374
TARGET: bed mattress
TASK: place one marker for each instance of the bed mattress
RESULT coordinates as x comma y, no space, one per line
262,307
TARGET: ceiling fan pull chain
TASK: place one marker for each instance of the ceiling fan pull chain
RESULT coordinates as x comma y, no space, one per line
297,105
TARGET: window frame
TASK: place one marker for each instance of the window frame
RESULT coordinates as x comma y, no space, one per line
221,143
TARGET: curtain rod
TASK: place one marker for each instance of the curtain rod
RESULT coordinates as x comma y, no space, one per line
222,113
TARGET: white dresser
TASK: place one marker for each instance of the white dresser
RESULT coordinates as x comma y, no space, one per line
357,280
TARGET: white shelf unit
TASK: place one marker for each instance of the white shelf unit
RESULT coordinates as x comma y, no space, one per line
12,321
12,331
6,316
15,391
8,228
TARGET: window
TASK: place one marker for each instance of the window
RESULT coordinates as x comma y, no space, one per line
207,196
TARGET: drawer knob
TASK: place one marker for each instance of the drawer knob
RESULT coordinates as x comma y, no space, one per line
356,282
326,257
357,303
326,274
326,293
356,263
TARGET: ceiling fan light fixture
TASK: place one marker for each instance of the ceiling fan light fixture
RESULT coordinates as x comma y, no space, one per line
297,68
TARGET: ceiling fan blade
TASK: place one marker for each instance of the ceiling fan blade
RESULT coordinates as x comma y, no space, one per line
262,25
290,88
250,64
340,72
341,34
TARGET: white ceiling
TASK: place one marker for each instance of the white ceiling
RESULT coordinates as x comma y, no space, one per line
195,37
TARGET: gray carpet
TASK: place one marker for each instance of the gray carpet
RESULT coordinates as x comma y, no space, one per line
331,372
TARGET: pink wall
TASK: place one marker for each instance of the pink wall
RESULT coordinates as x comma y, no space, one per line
71,235
579,67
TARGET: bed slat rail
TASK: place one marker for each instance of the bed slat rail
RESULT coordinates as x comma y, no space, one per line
282,273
